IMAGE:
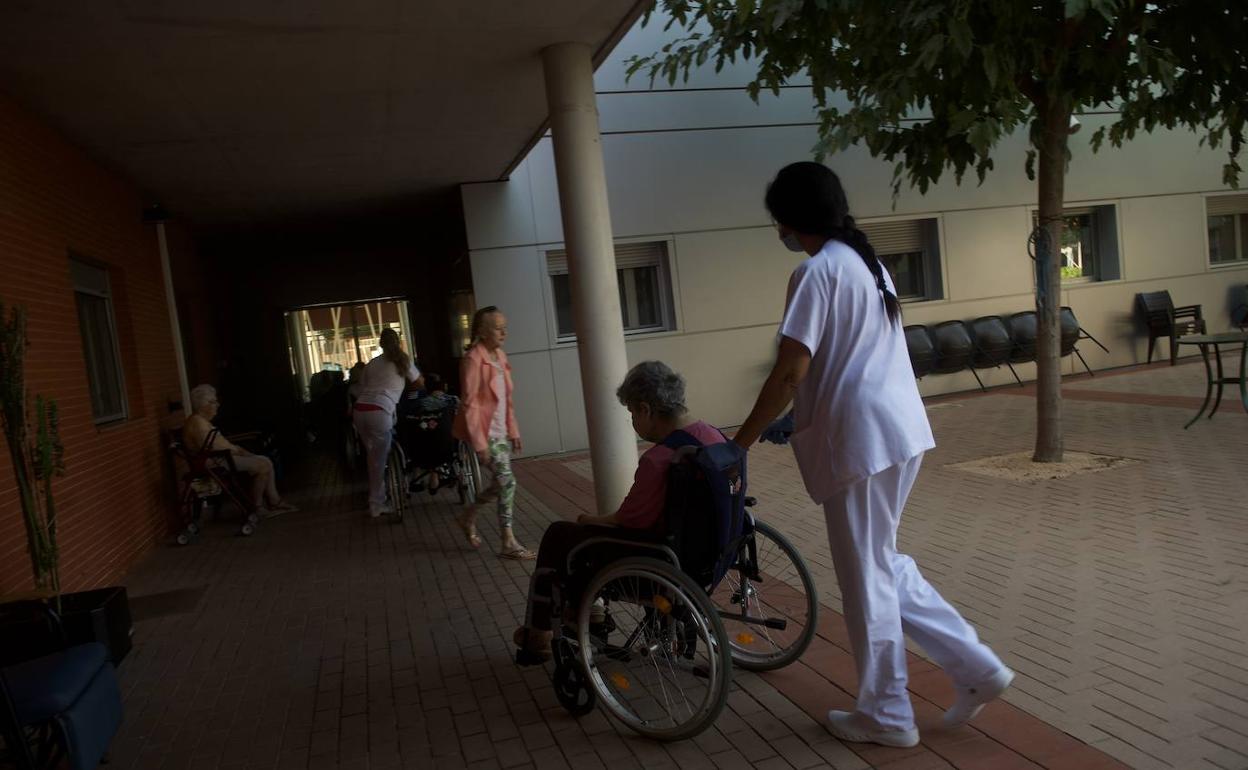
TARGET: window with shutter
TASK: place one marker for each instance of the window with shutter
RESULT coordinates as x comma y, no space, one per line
908,249
1227,217
1089,250
645,288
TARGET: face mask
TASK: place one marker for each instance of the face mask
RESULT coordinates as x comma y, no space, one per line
791,242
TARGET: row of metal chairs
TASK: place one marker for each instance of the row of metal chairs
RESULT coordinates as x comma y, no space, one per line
1163,319
987,342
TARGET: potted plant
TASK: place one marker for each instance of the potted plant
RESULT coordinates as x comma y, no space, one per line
37,455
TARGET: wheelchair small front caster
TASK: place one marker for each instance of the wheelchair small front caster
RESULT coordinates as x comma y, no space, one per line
247,530
184,538
572,689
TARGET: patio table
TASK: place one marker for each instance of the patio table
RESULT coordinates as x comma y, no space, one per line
1205,341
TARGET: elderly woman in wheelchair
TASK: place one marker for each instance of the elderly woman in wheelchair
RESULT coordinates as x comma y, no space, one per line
648,608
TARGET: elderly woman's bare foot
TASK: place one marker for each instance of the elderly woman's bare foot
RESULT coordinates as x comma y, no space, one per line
467,522
517,552
511,548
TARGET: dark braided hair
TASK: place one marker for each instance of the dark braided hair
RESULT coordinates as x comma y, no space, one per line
808,198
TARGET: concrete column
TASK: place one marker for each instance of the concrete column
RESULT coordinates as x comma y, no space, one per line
591,267
174,326
299,352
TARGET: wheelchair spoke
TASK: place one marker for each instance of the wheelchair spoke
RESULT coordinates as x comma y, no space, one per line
659,678
768,606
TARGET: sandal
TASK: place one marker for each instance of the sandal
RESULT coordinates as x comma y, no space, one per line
470,532
519,553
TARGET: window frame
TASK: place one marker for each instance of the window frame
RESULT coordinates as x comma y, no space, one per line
933,290
667,290
1098,211
1238,218
106,294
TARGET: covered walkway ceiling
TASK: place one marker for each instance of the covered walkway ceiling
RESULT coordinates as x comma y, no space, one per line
246,112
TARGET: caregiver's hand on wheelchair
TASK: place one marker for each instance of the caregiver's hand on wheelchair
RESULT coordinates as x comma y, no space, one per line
779,431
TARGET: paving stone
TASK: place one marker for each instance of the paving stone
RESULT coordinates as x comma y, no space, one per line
331,640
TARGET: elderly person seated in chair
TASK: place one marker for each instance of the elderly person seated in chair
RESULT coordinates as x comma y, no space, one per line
655,398
200,435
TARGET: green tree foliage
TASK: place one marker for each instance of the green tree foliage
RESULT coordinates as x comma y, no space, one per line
933,85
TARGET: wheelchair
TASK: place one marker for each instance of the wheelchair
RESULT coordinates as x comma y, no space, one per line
398,491
207,477
428,446
655,630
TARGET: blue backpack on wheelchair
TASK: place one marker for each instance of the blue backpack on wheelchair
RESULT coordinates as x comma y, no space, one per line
706,519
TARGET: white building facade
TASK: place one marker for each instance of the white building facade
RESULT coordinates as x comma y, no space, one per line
702,273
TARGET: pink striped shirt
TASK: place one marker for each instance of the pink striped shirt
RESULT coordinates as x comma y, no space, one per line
643,507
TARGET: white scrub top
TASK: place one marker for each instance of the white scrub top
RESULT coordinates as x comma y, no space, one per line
858,411
383,385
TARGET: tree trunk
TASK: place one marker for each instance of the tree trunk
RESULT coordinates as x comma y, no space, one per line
1051,162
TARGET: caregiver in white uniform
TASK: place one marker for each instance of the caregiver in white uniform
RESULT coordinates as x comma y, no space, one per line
860,431
373,414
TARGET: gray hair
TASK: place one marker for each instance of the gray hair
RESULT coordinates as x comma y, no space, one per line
654,383
202,394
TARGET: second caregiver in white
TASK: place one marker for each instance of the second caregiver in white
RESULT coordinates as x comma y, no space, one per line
860,431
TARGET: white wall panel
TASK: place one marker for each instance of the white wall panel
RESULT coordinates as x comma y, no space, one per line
732,278
986,253
512,279
536,412
573,431
682,110
691,165
1163,236
501,213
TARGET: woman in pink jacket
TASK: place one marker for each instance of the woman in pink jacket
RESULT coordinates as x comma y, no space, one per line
486,420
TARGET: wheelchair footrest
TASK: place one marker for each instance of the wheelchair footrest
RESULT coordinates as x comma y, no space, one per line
777,623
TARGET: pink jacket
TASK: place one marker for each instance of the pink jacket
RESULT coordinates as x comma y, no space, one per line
477,400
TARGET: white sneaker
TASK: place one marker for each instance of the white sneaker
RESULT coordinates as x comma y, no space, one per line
971,700
385,508
847,726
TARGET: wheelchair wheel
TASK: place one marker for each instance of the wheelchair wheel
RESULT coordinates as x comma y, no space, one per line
466,472
768,603
660,665
396,483
352,451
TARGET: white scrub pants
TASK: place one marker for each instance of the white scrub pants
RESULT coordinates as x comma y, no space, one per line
884,595
374,428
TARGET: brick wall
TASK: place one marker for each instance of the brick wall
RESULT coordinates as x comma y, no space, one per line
112,502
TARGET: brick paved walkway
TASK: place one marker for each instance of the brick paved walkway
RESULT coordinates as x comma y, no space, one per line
328,640
1118,596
